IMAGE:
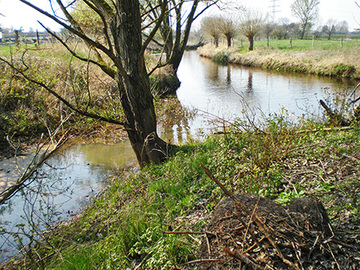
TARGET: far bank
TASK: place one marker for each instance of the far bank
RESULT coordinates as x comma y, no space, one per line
324,58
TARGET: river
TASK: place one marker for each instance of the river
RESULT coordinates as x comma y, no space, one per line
68,181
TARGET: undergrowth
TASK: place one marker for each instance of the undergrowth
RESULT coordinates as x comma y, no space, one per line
124,228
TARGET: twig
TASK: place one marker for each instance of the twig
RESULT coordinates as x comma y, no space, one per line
166,232
208,243
254,245
242,258
332,254
297,255
262,227
251,218
203,260
343,244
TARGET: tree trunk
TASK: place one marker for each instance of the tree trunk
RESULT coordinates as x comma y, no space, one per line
134,86
302,35
216,42
228,38
251,43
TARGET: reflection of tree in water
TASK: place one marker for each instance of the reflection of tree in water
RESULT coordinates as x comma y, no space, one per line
250,82
51,195
35,211
212,72
228,75
174,120
214,75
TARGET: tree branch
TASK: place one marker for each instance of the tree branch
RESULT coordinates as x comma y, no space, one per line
67,103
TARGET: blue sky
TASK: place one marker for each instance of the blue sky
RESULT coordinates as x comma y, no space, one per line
17,15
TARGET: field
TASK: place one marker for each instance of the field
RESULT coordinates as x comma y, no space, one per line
305,44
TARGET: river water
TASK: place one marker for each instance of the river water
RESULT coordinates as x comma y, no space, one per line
68,181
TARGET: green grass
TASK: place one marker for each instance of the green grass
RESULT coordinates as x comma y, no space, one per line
124,228
306,44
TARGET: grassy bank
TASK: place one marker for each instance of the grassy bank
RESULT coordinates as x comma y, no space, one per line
123,228
326,58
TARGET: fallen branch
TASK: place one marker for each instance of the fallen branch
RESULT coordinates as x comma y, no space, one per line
335,118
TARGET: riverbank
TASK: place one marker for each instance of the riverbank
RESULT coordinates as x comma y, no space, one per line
124,227
338,62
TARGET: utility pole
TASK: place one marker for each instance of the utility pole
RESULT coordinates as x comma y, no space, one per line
274,9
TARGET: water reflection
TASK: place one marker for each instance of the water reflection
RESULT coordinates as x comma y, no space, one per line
225,91
174,122
62,187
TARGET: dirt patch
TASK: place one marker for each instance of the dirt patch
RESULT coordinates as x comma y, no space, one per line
298,236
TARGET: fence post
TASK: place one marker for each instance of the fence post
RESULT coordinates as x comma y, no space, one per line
342,42
313,41
17,40
37,37
290,42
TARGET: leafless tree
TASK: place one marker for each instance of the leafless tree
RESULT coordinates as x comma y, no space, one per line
120,55
343,27
176,24
210,27
251,23
282,28
306,11
268,30
329,28
228,29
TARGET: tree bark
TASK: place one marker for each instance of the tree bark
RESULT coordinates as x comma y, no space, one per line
228,38
251,43
134,86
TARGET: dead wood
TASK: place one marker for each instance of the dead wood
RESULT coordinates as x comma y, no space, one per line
252,232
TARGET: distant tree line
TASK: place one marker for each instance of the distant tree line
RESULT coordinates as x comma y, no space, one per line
250,24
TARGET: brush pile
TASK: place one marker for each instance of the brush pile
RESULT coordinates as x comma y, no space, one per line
251,232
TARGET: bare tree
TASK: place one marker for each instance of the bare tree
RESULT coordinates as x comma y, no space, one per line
268,30
343,27
329,28
227,27
282,28
210,27
124,48
176,25
251,23
306,11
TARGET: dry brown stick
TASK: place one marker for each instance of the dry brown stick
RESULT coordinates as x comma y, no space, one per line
241,258
297,255
332,254
208,244
343,244
254,245
251,218
186,232
262,227
203,260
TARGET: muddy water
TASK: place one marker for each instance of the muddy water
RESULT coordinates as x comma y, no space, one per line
69,180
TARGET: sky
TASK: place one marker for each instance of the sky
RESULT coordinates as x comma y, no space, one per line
17,15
